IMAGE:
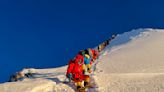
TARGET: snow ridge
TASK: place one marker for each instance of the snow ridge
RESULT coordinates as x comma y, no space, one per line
133,62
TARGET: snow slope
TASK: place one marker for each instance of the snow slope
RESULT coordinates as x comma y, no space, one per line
135,65
133,62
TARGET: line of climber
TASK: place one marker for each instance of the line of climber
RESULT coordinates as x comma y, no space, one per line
80,68
101,46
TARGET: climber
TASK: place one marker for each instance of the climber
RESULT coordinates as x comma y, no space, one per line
93,54
75,71
110,39
113,36
87,70
99,48
90,56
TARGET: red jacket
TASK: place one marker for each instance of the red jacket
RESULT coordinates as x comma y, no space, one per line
76,69
94,55
70,67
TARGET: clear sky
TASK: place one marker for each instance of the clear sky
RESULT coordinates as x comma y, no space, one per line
47,33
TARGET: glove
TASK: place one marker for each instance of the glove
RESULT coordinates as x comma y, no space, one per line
70,76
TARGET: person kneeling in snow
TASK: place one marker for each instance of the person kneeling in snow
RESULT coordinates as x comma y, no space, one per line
19,76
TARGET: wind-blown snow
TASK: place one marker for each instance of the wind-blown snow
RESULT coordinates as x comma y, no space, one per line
133,62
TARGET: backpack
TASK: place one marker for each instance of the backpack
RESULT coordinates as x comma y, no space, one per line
89,52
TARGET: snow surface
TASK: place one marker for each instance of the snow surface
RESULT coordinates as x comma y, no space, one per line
133,62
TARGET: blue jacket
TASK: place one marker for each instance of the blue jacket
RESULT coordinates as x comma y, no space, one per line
87,60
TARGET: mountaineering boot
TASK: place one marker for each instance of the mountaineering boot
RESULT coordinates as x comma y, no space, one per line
86,83
80,89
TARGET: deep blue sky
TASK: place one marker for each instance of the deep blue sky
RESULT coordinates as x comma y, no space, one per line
47,33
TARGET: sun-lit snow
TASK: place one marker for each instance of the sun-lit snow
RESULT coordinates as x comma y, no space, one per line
133,62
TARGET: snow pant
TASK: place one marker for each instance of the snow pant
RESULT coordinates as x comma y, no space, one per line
78,79
78,84
86,80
